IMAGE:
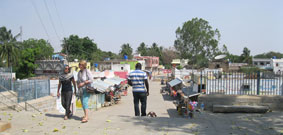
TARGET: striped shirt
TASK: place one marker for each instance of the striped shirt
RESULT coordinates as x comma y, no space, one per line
137,77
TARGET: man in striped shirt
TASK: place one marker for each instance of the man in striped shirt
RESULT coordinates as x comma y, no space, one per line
138,80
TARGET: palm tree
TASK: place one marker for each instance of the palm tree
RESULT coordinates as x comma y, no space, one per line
9,47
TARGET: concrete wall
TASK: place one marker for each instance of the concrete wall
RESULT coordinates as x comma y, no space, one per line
43,104
121,67
273,102
7,99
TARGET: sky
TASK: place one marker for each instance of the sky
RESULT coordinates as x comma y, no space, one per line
255,24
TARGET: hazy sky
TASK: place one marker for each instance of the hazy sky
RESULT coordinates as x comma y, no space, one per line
256,24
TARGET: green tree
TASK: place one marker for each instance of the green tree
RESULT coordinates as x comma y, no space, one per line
41,48
32,50
126,49
224,50
26,66
79,48
269,55
9,49
234,58
142,49
196,40
245,56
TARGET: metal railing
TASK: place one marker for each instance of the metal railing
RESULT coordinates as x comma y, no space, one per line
237,83
6,78
25,89
31,89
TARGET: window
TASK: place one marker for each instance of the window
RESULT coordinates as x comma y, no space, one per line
255,63
277,64
262,63
217,66
122,68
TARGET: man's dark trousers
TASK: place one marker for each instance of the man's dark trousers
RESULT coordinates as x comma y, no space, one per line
142,97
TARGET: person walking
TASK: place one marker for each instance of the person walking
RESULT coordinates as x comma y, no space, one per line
84,79
65,80
139,82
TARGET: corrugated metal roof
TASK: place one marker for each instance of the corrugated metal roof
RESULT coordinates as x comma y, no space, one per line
175,82
188,91
114,80
101,86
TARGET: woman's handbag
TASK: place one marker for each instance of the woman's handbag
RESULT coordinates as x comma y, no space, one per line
90,89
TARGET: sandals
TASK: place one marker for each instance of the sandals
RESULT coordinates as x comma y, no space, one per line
84,120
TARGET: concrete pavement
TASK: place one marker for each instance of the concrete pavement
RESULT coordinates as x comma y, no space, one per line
119,120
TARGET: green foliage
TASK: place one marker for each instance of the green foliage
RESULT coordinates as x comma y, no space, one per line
126,49
250,69
32,50
9,49
245,56
26,66
40,48
269,55
153,50
234,58
142,49
80,48
197,41
179,67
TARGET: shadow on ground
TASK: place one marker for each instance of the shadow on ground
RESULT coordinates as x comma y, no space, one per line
211,124
61,116
208,123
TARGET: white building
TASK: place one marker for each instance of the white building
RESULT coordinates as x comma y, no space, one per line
277,65
262,63
121,67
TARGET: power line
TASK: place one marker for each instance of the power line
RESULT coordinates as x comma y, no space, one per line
38,15
50,17
59,17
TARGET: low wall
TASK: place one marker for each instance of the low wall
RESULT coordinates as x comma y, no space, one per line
8,100
273,102
43,104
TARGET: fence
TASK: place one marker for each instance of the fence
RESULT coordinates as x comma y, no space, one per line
31,89
26,89
6,78
235,83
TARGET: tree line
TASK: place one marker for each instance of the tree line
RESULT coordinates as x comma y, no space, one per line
195,40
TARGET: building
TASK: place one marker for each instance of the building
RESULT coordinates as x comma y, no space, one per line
59,56
151,62
109,64
75,66
181,62
121,67
216,64
262,63
277,65
236,66
49,68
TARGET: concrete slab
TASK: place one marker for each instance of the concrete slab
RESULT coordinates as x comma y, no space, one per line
239,109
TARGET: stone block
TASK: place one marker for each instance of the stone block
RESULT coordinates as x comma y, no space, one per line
239,109
4,126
